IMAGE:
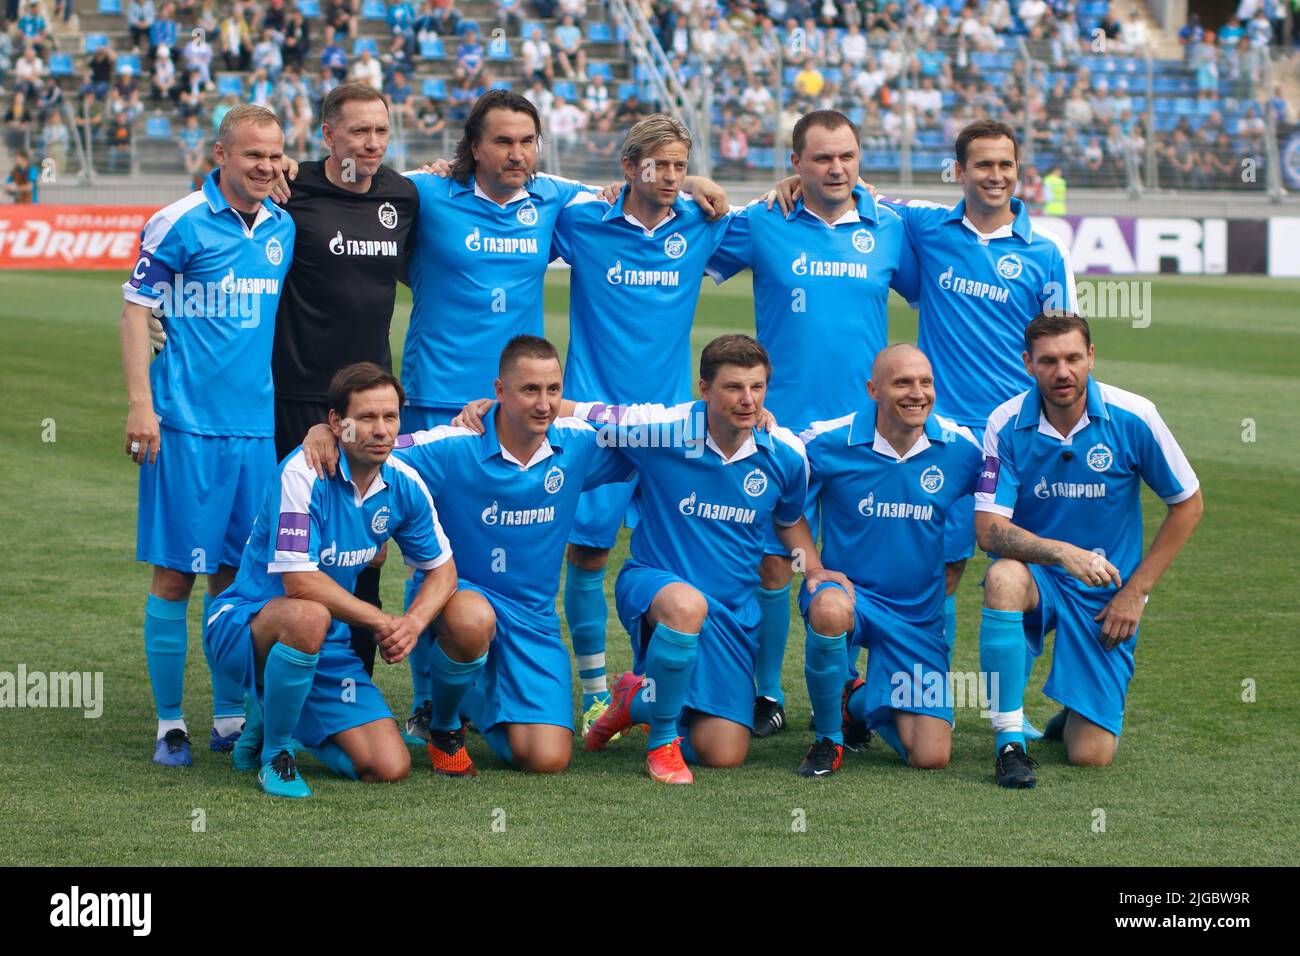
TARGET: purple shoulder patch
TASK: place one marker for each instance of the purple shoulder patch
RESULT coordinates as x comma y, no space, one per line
404,441
988,483
294,532
605,414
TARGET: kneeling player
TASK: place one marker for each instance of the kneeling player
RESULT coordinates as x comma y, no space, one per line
509,492
282,628
1059,502
709,484
887,476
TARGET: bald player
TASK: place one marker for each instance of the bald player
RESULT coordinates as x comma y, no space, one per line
888,475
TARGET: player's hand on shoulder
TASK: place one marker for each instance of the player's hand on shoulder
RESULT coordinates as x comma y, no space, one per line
439,167
817,577
321,449
1120,617
786,193
710,197
142,435
611,192
286,174
1089,567
766,420
471,416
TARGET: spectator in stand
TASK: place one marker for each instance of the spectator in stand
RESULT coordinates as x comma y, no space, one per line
602,142
545,8
20,186
1180,167
853,47
537,58
1250,130
296,44
396,59
573,8
629,112
55,140
1078,112
1032,12
809,81
266,55
236,41
568,49
261,91
927,99
1134,34
119,143
509,14
33,28
49,98
325,82
228,103
438,16
367,70
164,84
1277,102
431,122
999,13
1190,37
401,20
18,121
401,99
140,15
541,97
193,145
932,62
566,122
597,99
164,31
469,61
334,58
341,15
196,59
757,99
29,71
733,148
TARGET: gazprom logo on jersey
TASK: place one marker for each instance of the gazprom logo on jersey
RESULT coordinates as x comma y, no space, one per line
973,287
362,247
833,268
234,297
868,507
692,507
494,514
332,557
617,275
1069,489
501,245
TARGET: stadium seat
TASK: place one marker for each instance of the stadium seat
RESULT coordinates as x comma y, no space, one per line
94,41
501,85
565,88
309,8
599,33
626,89
601,69
434,88
761,157
498,48
467,25
110,8
128,62
158,127
230,83
365,43
431,48
60,64
527,27
374,10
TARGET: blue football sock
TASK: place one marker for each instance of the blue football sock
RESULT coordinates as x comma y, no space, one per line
888,732
688,751
472,706
336,758
451,679
773,630
165,641
585,611
857,705
286,681
421,656
1002,659
669,663
640,707
823,658
950,621
227,695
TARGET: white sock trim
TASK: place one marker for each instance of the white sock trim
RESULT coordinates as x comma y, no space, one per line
166,725
594,685
1008,720
587,662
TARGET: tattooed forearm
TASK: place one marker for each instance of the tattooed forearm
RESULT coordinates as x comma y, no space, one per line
1008,541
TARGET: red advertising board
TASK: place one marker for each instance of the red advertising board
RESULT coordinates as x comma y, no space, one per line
70,237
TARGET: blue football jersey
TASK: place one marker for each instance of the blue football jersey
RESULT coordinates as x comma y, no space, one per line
509,520
976,293
215,283
821,294
704,517
883,510
311,524
632,297
1086,487
476,274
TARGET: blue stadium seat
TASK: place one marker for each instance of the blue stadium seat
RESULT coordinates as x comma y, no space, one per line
467,25
309,8
761,157
854,113
601,69
128,61
60,64
434,88
158,127
94,41
599,33
374,10
365,43
626,89
528,26
230,84
788,74
565,88
431,48
110,7
501,85
498,48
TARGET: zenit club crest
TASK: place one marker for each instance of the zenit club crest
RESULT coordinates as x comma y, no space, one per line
755,483
554,480
388,216
379,523
863,241
675,246
1010,267
527,214
932,479
1099,458
274,252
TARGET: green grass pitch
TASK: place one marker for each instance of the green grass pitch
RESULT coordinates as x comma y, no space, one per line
1202,777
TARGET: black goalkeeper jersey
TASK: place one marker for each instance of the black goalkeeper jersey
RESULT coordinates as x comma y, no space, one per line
337,302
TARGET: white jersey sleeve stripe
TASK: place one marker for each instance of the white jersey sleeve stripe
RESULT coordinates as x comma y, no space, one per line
645,414
822,427
950,425
1145,409
297,480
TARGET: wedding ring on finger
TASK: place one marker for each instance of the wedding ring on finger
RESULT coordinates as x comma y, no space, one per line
135,448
